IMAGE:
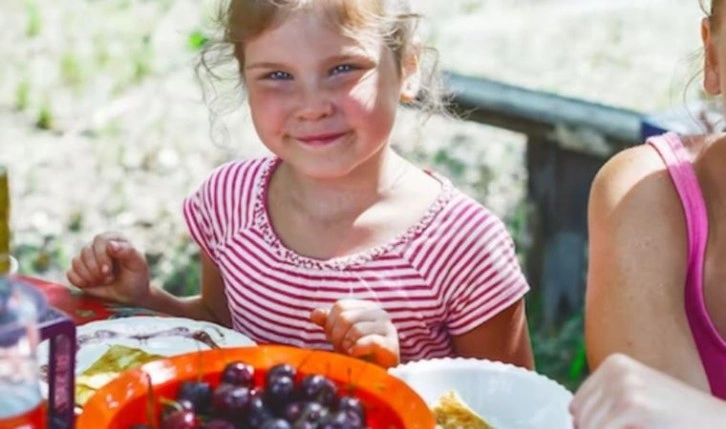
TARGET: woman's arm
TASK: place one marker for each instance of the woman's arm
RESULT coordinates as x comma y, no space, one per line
637,268
505,338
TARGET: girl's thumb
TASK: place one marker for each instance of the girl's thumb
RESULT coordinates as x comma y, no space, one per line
319,316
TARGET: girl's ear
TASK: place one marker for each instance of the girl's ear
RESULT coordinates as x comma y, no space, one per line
410,73
711,78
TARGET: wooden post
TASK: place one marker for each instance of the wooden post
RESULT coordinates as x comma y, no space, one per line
558,187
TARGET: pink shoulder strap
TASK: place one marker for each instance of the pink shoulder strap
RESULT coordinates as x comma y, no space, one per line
671,150
711,346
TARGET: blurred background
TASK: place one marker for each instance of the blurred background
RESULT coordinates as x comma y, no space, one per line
103,126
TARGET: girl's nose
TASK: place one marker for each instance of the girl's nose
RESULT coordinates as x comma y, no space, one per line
314,104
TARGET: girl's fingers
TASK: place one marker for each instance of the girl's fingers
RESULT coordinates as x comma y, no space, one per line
75,279
81,273
88,256
375,348
367,346
126,254
103,260
339,323
347,321
359,331
319,316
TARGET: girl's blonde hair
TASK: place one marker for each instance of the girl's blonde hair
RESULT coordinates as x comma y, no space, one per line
242,20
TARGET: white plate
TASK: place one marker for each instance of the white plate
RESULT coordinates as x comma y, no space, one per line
166,336
506,396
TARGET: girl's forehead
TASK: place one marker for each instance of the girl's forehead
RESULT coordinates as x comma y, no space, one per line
311,30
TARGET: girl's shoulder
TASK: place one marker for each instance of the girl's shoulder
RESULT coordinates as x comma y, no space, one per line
231,185
469,227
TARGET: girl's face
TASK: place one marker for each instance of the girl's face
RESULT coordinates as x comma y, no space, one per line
322,102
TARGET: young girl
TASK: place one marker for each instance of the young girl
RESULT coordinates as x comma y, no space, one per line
336,241
657,245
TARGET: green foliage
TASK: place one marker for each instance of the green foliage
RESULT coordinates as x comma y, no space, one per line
142,60
186,274
42,258
70,69
45,118
22,95
76,221
196,40
34,24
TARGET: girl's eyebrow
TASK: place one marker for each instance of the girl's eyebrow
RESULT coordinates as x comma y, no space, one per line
264,65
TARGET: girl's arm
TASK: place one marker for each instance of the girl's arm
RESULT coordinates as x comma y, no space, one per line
637,268
210,306
505,338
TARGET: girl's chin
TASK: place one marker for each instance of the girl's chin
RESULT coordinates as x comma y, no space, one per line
323,168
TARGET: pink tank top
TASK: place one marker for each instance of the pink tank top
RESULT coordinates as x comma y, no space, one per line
711,346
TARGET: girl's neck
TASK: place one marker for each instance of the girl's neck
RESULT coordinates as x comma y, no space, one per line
342,197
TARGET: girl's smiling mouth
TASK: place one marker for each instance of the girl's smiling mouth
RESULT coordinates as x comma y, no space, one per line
318,140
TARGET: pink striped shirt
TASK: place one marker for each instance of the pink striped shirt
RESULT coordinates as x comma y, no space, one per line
452,271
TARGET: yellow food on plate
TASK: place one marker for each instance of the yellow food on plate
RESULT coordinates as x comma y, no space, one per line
116,360
452,412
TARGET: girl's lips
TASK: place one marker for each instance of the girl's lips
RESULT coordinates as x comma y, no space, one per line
321,139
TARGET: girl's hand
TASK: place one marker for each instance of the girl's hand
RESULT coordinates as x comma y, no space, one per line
111,268
625,394
361,329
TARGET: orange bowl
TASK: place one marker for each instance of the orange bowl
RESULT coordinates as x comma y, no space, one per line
389,402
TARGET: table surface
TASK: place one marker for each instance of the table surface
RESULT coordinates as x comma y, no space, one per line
79,307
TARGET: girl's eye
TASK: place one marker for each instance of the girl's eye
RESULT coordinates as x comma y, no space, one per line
343,68
278,75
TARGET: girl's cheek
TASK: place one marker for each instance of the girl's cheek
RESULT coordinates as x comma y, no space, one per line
361,96
270,98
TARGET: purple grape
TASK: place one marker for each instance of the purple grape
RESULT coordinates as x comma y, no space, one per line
312,413
293,411
319,389
238,374
258,413
198,393
218,424
280,392
182,404
183,419
257,393
342,420
276,424
351,404
231,401
282,370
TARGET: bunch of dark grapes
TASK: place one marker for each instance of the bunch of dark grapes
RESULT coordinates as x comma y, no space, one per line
285,401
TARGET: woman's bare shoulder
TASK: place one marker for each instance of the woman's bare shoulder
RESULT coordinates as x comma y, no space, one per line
635,216
629,168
